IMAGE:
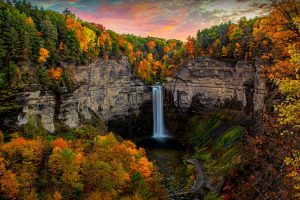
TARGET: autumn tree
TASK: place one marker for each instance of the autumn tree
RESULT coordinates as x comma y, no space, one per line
9,185
55,74
24,158
44,54
277,150
151,44
190,47
65,165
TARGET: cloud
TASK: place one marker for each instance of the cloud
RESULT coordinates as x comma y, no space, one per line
161,18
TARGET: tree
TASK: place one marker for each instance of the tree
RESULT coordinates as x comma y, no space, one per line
151,44
67,12
224,51
44,54
190,47
217,48
9,186
24,158
49,34
55,74
277,150
65,165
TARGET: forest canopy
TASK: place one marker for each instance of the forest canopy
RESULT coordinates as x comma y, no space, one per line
35,43
39,46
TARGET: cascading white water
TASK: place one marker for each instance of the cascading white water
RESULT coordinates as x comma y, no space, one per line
158,114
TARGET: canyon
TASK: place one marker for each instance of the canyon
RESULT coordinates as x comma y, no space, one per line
110,90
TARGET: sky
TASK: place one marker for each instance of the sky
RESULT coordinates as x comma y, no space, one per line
170,19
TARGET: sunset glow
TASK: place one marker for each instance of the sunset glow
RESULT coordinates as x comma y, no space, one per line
164,18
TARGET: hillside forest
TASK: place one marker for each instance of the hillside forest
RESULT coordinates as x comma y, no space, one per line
38,46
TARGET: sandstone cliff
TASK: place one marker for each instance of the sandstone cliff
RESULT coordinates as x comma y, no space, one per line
208,84
108,89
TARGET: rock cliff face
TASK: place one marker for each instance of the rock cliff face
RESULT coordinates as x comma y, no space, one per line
209,84
108,89
111,91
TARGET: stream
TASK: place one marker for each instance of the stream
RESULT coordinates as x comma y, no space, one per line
167,154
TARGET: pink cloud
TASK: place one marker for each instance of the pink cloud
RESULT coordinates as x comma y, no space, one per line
165,18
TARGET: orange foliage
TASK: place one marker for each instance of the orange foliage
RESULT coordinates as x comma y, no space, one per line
233,32
61,46
172,44
39,34
265,42
190,47
31,149
9,185
210,51
44,54
99,26
59,143
151,44
24,158
167,49
1,138
57,196
105,43
155,66
101,170
55,73
238,48
138,54
165,58
130,46
266,56
217,43
84,35
144,69
29,21
279,27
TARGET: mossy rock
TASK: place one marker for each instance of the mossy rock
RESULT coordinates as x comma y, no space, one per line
200,130
229,137
34,128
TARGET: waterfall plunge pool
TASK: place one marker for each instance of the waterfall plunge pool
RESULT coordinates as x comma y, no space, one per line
167,154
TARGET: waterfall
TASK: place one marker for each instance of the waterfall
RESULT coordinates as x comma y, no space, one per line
158,115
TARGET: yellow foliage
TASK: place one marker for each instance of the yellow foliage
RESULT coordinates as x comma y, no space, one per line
150,57
29,21
83,34
90,36
224,51
294,165
44,54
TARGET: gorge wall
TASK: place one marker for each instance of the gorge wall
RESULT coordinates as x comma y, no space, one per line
108,89
208,84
